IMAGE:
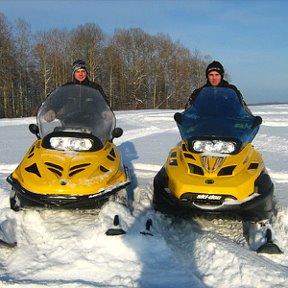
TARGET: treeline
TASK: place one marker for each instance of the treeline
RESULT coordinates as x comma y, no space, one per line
135,69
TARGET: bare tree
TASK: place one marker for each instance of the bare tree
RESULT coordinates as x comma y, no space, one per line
134,49
7,69
111,75
87,43
135,69
50,52
23,54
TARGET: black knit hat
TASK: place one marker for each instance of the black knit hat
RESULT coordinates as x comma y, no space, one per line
79,64
215,66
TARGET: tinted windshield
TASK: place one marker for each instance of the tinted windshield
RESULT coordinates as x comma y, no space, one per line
217,112
76,108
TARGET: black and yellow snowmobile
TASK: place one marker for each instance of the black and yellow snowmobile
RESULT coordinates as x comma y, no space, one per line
73,163
215,169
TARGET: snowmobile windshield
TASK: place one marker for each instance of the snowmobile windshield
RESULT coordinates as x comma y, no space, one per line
76,108
217,113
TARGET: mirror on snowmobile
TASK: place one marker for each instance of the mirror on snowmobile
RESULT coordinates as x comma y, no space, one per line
178,118
34,129
117,132
256,122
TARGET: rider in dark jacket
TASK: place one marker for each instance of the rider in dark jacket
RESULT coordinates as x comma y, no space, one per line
80,74
214,75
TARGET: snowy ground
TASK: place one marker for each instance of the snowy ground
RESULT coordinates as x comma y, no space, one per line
70,248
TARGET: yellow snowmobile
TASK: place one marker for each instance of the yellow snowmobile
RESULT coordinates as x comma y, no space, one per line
73,163
215,168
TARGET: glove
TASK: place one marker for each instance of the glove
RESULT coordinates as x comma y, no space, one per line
50,116
256,122
178,118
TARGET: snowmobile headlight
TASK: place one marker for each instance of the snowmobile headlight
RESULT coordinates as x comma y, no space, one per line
214,146
71,143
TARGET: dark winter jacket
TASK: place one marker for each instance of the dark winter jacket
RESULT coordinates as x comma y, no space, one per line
62,106
94,85
223,83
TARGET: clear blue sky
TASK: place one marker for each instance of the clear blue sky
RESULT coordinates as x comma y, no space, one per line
249,37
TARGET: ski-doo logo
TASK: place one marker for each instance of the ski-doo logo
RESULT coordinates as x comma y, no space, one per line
208,197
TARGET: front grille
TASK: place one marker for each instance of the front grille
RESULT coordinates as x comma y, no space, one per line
194,169
226,171
253,166
188,155
54,168
58,170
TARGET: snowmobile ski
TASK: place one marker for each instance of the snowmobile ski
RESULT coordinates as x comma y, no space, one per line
8,244
5,238
147,228
116,230
269,247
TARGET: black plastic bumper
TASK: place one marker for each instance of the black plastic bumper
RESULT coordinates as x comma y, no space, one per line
260,207
28,198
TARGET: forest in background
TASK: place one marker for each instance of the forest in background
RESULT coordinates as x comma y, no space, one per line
135,69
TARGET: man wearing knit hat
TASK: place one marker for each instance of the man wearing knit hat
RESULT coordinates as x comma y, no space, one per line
80,71
80,75
215,78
